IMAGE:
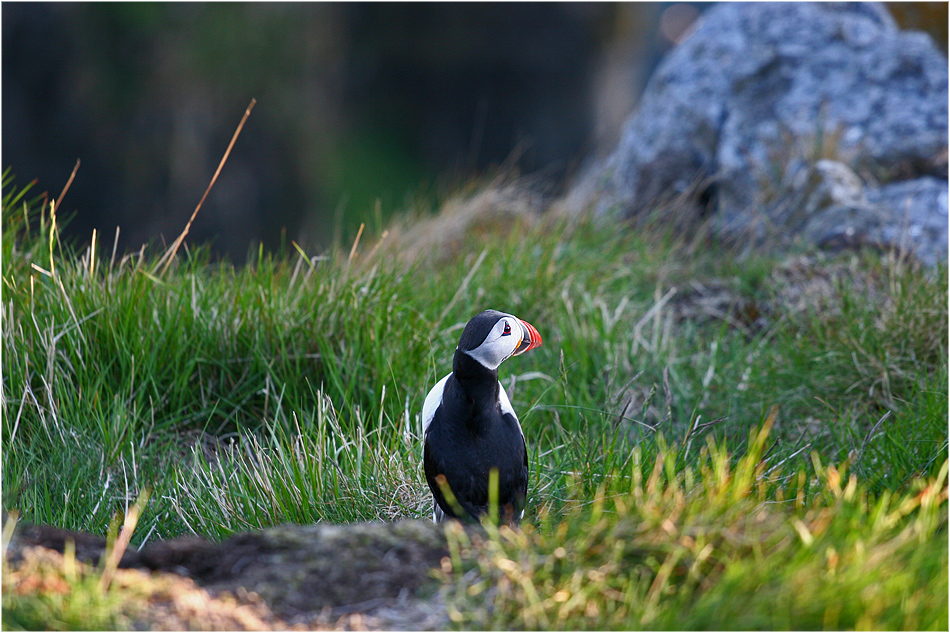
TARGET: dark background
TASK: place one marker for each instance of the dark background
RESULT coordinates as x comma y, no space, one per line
362,109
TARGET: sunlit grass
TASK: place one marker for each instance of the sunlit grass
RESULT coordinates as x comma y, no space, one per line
715,545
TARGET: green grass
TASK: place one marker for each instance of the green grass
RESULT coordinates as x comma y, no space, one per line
708,545
290,389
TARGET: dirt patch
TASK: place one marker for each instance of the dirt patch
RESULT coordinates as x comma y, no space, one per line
799,284
362,576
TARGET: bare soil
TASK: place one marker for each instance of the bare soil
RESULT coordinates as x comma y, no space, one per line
363,576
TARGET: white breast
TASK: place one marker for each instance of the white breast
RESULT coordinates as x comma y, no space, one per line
506,407
432,402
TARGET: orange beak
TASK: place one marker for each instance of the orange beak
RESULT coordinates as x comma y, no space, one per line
531,339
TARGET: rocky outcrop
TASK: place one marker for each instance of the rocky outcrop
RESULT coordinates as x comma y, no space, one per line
812,121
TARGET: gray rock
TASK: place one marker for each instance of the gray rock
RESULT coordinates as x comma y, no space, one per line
832,205
766,106
917,217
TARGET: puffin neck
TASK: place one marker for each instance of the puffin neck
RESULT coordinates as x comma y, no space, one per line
479,383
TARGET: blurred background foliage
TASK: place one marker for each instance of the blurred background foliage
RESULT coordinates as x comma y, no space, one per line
363,108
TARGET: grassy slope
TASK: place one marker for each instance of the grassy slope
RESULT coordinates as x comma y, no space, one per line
289,390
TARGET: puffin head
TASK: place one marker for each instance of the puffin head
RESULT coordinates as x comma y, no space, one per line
492,337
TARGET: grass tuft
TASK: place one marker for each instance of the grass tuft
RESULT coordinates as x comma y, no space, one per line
715,544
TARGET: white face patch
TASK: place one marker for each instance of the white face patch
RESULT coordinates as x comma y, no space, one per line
502,341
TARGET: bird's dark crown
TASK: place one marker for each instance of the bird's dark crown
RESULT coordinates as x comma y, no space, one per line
478,328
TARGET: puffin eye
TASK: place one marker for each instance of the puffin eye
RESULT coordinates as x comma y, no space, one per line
507,329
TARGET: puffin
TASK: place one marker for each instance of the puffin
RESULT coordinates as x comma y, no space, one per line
470,427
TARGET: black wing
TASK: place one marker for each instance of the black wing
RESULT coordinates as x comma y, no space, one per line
471,498
513,496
